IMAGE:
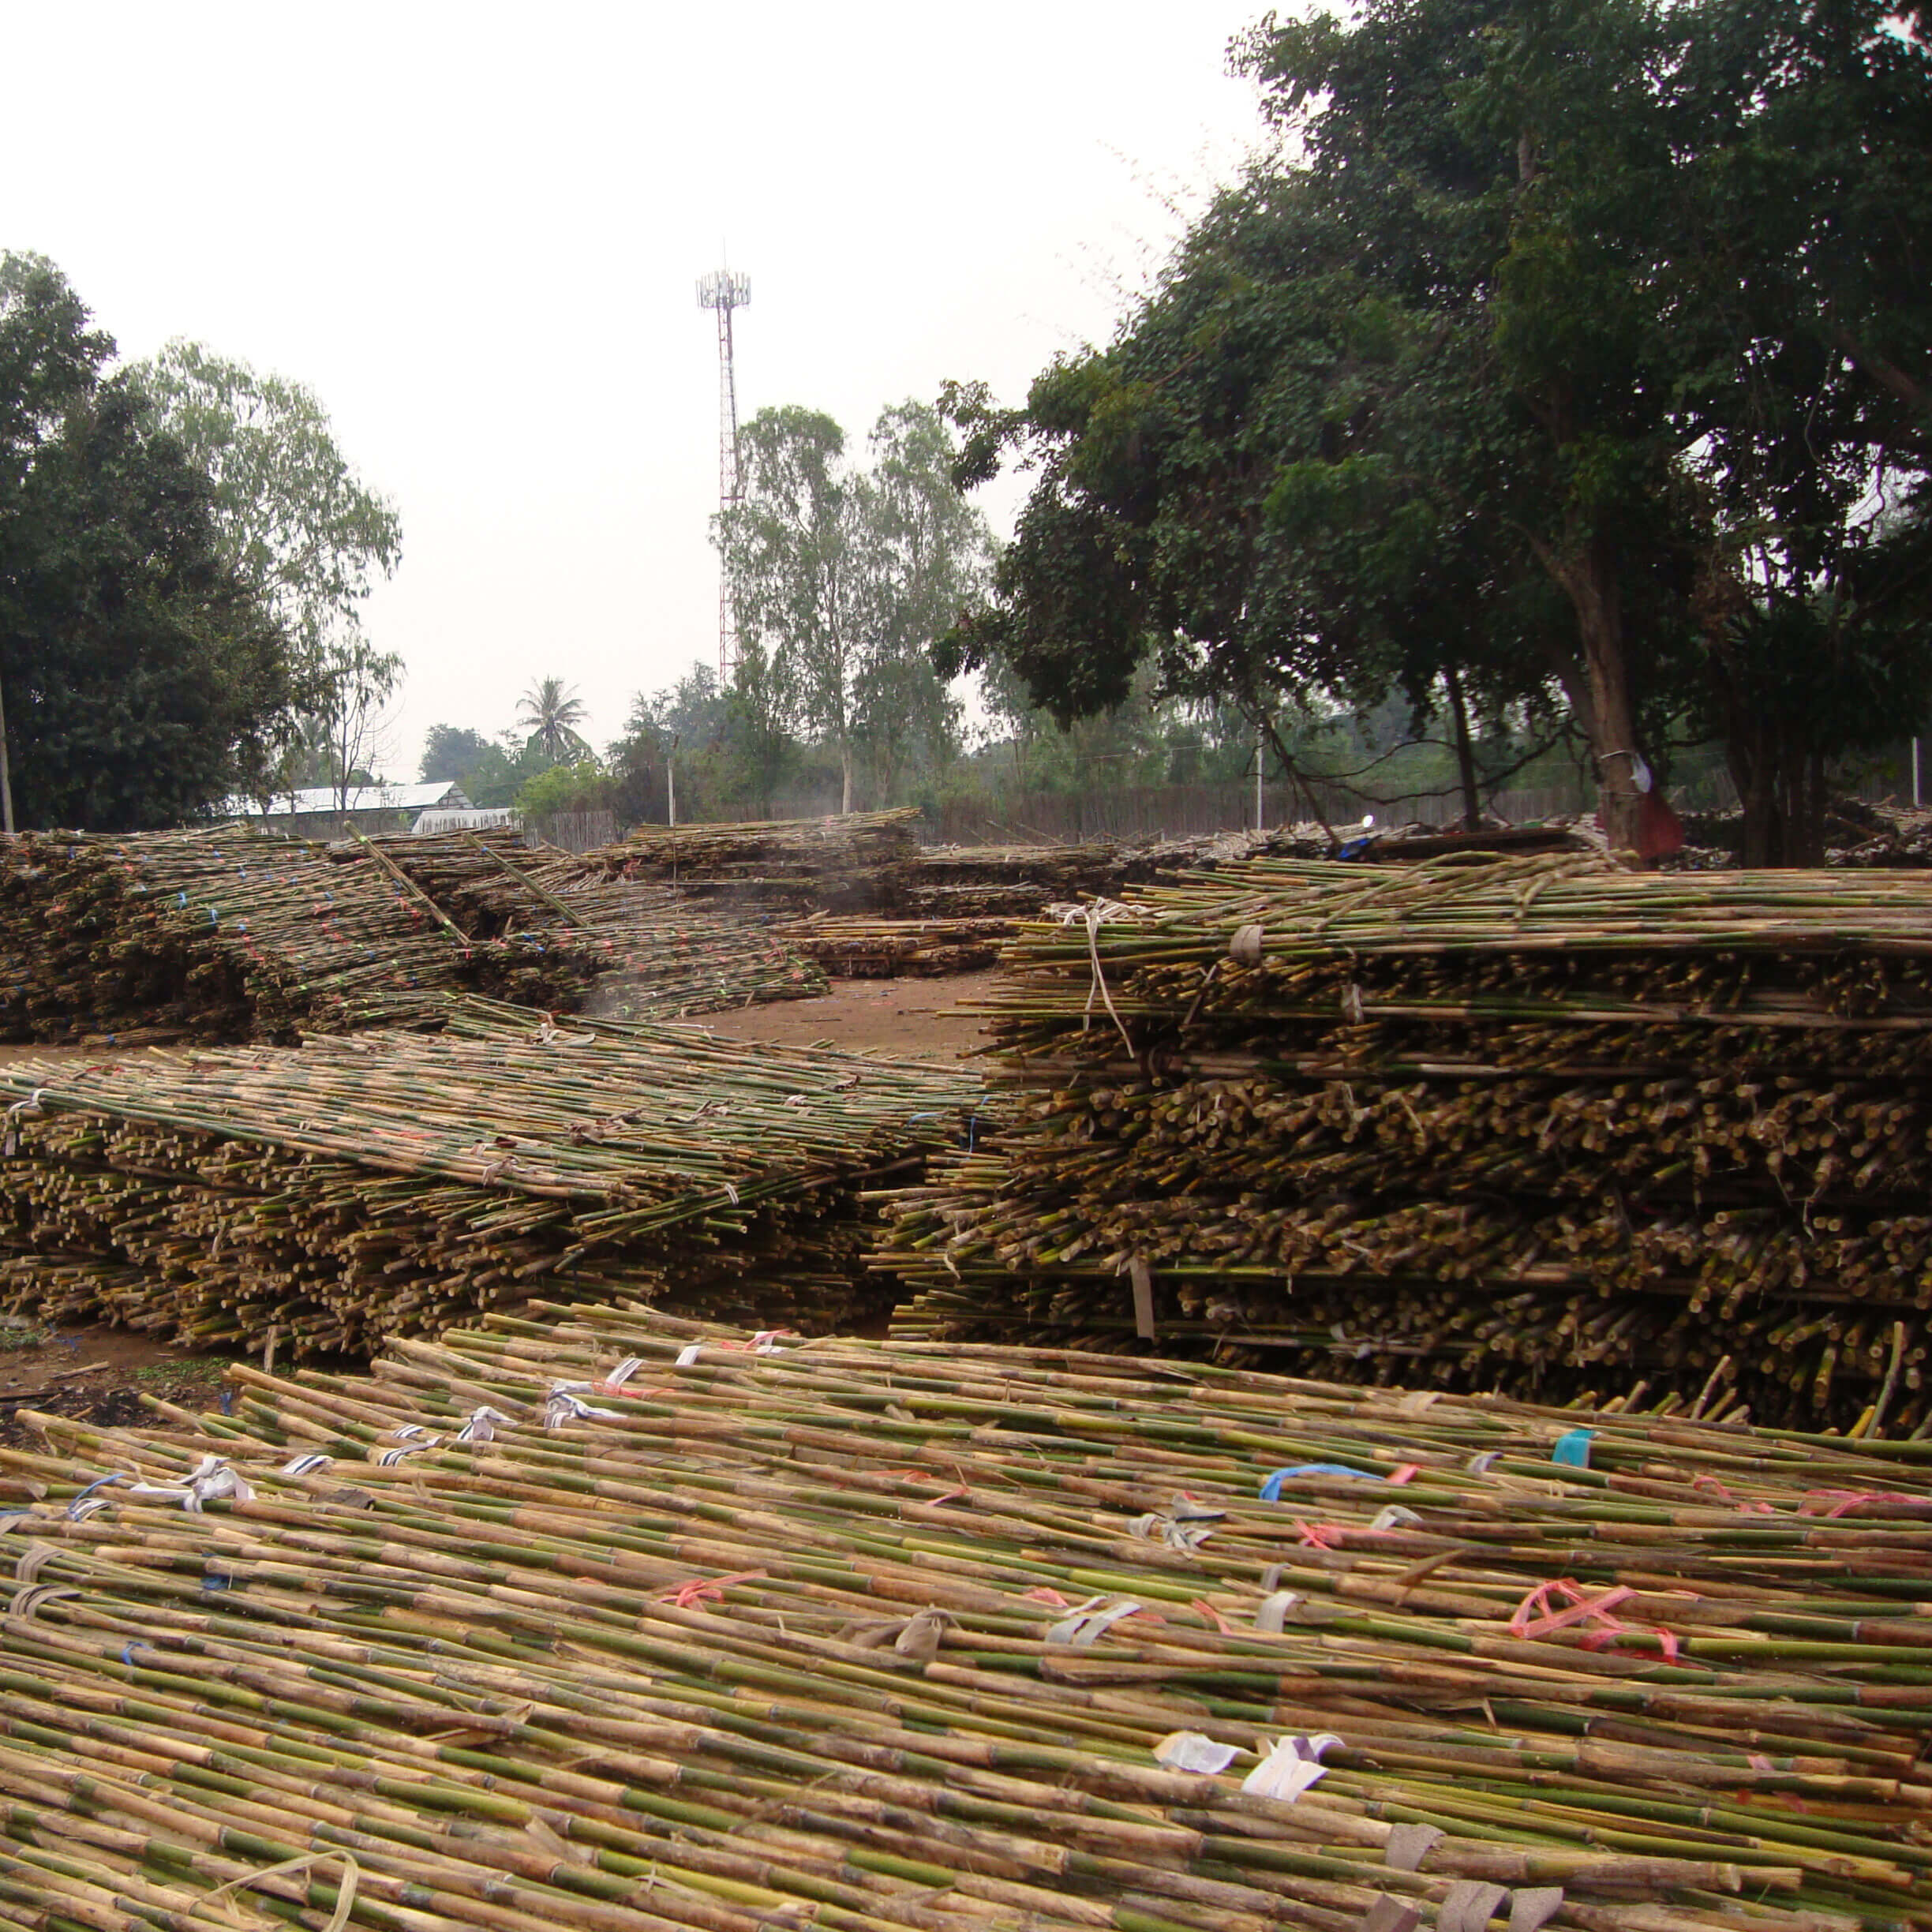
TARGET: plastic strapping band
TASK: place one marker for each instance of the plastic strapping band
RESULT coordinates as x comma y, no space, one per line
1470,1905
1409,1845
1273,1613
1091,1620
1272,1484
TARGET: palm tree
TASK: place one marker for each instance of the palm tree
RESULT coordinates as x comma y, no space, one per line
552,715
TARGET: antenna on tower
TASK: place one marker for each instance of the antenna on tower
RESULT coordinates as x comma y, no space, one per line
724,290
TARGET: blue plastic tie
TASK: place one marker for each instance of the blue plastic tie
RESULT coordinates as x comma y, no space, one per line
100,1482
1573,1450
1271,1485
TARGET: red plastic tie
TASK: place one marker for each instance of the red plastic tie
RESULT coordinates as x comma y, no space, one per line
688,1595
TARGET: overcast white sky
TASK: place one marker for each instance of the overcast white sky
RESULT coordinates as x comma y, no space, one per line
475,230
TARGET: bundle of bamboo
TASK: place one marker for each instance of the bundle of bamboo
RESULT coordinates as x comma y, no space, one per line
232,933
546,932
386,1183
609,1620
1538,1124
853,863
207,934
853,947
1012,881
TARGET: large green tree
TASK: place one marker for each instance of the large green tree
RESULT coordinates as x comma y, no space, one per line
842,577
1552,366
297,523
144,678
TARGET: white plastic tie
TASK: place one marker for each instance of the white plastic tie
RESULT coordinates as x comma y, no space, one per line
211,1480
1088,1622
1289,1767
1193,1751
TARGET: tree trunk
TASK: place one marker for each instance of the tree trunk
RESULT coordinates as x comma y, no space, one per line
1598,686
1781,794
1466,752
845,766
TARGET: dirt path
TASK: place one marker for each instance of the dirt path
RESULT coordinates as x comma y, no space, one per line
905,1019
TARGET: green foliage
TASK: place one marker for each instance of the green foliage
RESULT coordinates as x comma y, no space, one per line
489,775
450,753
492,771
145,677
550,713
842,578
581,785
1557,374
296,523
699,725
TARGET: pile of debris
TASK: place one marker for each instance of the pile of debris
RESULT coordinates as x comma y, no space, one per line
1539,1124
609,1621
387,1183
1884,837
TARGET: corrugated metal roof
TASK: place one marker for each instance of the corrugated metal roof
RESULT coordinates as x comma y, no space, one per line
361,798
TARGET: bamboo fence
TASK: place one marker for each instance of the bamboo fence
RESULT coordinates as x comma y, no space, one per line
324,1198
602,1619
1537,1124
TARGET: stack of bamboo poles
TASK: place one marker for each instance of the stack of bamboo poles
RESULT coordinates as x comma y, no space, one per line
852,946
207,934
390,1182
233,933
853,863
608,1620
488,881
1539,1124
547,931
1012,881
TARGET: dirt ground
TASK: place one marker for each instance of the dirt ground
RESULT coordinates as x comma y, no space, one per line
904,1019
99,1375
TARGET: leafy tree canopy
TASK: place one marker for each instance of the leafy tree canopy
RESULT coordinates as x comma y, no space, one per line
1576,363
296,521
842,576
450,752
144,676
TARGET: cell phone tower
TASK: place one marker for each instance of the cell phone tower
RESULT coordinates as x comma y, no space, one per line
724,290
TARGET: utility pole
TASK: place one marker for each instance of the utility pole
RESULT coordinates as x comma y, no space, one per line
6,779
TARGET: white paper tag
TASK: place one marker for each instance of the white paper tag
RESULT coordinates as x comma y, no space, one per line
1290,1766
1191,1751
